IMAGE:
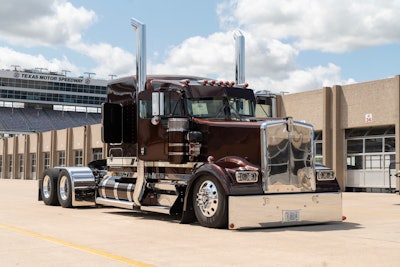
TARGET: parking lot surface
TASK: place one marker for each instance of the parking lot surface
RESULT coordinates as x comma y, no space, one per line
32,234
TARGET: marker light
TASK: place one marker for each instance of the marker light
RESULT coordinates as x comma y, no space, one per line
213,82
245,85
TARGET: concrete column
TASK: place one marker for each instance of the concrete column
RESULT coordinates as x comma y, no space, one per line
69,157
53,148
279,106
27,158
327,149
87,140
15,172
338,137
105,150
5,159
39,156
397,132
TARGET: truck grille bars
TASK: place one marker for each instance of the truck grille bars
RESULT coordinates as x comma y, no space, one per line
286,157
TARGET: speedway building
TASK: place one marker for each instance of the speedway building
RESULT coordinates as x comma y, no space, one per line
49,119
39,110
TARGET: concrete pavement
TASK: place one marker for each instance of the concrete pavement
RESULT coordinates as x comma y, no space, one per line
32,234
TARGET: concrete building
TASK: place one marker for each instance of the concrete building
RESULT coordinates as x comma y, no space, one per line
358,130
26,156
42,121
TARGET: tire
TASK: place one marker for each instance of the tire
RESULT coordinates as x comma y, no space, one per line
210,203
64,187
48,187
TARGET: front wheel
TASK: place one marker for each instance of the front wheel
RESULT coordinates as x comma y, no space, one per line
65,189
210,203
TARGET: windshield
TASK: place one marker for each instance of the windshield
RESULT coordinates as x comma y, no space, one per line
228,108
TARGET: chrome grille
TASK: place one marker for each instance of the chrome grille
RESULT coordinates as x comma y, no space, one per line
287,157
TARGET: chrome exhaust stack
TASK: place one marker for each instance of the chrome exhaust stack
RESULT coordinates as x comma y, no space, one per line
140,29
239,58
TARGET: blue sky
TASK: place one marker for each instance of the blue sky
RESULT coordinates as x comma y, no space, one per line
291,45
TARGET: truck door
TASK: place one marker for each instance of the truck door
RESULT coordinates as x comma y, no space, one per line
155,109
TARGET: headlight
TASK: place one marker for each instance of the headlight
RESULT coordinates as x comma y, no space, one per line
325,175
246,176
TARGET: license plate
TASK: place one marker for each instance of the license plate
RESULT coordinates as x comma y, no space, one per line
291,216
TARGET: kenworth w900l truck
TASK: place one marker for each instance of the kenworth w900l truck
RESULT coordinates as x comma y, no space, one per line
192,146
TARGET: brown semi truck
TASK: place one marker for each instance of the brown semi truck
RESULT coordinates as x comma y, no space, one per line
193,146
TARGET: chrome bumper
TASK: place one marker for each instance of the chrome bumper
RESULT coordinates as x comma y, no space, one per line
262,211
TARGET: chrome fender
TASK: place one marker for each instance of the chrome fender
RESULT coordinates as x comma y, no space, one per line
83,185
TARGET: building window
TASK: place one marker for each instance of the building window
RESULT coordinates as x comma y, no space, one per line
46,160
61,158
78,158
10,166
370,148
318,147
1,166
33,163
97,153
21,164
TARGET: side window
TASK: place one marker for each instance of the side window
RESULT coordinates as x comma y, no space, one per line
145,105
145,109
172,104
164,104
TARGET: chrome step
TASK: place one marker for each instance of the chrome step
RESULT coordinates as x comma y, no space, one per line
158,209
166,186
115,203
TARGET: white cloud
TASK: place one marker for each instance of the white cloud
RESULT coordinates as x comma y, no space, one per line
277,31
42,22
9,57
110,60
214,57
303,80
201,56
329,25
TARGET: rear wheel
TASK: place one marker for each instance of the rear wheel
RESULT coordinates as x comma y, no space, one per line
48,187
210,203
65,189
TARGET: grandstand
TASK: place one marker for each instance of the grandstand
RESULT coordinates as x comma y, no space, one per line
22,120
36,101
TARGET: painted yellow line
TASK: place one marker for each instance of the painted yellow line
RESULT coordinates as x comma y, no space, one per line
75,246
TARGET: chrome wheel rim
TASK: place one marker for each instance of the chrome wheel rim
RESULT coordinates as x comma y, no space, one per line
64,187
46,186
207,198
